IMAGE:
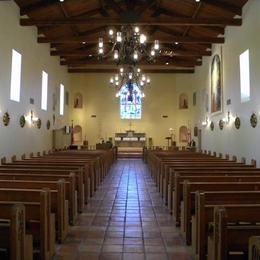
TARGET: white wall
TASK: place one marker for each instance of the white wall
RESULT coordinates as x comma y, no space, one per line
35,58
242,142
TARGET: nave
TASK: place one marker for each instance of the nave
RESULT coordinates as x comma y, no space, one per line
125,219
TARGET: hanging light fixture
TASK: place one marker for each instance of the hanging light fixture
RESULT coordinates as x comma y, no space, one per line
128,46
130,76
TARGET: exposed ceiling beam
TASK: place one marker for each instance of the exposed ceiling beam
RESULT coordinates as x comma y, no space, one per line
163,39
164,53
112,71
82,63
118,21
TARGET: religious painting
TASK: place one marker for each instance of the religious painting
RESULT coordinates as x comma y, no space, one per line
78,101
77,134
183,101
216,85
130,102
183,133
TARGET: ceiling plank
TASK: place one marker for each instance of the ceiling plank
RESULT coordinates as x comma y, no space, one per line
168,71
37,6
224,6
151,21
146,6
115,6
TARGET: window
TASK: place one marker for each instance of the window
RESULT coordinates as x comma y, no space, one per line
130,104
244,76
61,100
44,90
16,76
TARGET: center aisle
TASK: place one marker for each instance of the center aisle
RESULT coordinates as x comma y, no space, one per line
125,219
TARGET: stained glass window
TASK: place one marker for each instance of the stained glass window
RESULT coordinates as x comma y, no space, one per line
130,102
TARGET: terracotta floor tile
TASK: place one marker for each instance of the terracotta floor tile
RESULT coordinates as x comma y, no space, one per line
154,249
125,219
133,256
157,257
113,256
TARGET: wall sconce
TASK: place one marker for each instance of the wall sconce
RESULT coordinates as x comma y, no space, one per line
31,118
205,123
226,120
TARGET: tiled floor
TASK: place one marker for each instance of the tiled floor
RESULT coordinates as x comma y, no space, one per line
125,220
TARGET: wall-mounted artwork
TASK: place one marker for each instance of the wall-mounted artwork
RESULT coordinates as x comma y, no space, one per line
78,100
183,134
183,101
216,85
77,133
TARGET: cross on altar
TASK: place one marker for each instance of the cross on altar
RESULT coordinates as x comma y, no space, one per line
130,125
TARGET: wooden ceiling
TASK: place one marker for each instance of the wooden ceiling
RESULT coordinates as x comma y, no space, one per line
186,29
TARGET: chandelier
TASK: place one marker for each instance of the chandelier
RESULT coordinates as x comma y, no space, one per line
129,75
128,46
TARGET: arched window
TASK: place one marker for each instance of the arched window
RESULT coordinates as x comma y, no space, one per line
183,101
130,102
77,134
78,100
184,138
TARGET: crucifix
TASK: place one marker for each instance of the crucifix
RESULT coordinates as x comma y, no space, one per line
130,125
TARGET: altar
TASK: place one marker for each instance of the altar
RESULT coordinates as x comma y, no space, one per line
130,139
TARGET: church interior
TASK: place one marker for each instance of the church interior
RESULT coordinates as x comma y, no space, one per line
128,129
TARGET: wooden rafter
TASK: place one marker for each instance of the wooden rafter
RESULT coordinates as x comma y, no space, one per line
163,39
151,21
168,71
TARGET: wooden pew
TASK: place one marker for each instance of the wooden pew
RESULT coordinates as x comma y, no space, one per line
82,193
189,191
12,231
204,213
221,176
70,188
230,235
39,220
58,204
207,171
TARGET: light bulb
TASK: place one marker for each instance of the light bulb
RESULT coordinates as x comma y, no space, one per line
100,43
117,83
135,55
142,38
156,45
116,55
142,83
101,51
121,70
138,70
111,32
119,37
137,29
116,77
148,80
130,76
111,80
152,52
143,78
